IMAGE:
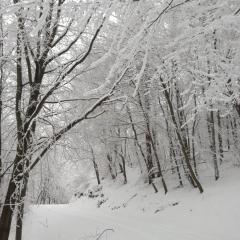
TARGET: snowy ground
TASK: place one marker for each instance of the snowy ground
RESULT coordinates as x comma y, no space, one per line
183,214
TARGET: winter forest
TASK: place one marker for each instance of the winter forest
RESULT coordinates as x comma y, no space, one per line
119,119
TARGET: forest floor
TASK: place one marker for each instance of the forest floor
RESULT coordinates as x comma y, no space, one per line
137,213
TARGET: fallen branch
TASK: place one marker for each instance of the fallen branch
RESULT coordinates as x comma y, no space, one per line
101,234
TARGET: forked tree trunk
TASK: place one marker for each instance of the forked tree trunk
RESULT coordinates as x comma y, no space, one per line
10,202
26,124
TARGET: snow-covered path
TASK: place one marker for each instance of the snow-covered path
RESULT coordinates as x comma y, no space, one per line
213,215
64,222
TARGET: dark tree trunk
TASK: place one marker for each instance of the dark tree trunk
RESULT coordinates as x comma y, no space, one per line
7,212
171,146
149,157
26,125
15,196
181,142
153,143
211,131
193,137
97,172
122,153
1,86
124,168
137,141
95,166
110,166
20,209
235,135
228,132
220,142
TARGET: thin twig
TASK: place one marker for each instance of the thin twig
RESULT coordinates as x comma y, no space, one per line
105,230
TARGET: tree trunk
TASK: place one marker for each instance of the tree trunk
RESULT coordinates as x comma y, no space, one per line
159,166
171,147
137,141
7,212
181,142
228,132
110,166
20,209
235,136
193,137
97,172
220,142
95,166
211,131
123,168
15,196
1,87
149,159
